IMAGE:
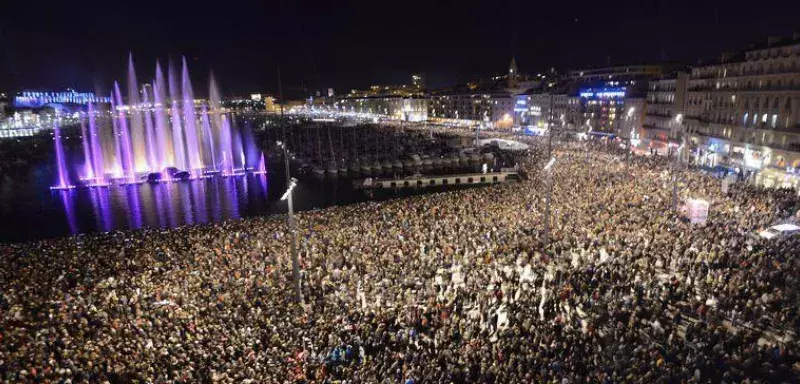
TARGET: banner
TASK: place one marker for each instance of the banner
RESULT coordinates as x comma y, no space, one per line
698,211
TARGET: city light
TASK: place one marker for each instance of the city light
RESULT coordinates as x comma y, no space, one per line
550,163
292,184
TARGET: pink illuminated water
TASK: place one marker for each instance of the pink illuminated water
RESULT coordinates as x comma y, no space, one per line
63,177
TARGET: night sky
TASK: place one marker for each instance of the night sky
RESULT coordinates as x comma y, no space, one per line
345,45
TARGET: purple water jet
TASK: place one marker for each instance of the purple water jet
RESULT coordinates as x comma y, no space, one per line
137,134
98,162
163,138
262,165
87,156
63,177
225,142
190,126
153,156
209,137
238,149
125,140
117,171
175,118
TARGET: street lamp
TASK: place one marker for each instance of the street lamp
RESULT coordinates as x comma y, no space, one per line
679,121
548,168
293,229
630,135
291,183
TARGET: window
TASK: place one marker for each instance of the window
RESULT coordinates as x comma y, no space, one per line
744,120
755,118
764,118
774,120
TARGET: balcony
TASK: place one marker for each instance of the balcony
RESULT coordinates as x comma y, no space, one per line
660,102
658,115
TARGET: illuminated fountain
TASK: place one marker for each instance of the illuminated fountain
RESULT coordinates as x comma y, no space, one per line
160,132
63,177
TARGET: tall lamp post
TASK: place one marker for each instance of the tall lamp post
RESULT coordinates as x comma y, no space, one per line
678,120
628,119
549,169
293,229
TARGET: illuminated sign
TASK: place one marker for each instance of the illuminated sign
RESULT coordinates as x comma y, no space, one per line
602,93
255,97
521,105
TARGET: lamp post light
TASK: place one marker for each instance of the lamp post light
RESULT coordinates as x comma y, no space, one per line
549,169
628,118
293,229
291,183
679,121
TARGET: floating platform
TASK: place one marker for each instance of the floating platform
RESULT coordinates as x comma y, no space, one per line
438,181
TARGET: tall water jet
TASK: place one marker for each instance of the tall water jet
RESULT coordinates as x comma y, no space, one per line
190,126
88,169
125,140
118,168
177,127
63,177
137,134
215,106
163,138
225,142
154,157
251,151
238,149
209,137
262,164
98,162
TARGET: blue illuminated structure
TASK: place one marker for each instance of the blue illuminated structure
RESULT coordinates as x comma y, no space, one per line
603,93
521,104
29,99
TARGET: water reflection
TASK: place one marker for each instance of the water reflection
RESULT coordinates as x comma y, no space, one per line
69,209
168,204
101,209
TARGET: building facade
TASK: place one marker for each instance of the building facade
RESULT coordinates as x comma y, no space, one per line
666,98
603,108
408,108
542,110
743,113
491,110
616,73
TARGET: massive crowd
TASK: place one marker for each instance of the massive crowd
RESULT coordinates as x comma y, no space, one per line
452,287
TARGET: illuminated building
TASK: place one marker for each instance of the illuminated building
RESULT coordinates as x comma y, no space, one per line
418,82
665,101
416,88
603,108
743,112
407,108
493,110
513,74
269,104
30,99
542,110
616,73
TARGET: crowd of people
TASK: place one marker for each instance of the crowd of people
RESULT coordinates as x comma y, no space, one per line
453,287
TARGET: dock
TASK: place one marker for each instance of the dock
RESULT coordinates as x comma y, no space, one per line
427,181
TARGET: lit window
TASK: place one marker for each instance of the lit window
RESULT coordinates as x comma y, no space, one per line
774,120
764,118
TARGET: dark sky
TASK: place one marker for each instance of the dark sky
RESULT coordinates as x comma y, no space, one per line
344,45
